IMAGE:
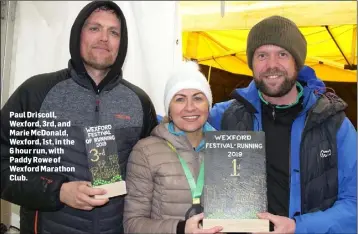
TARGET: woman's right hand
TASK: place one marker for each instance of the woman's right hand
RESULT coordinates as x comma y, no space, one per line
192,226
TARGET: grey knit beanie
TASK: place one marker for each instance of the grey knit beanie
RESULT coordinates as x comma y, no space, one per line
279,31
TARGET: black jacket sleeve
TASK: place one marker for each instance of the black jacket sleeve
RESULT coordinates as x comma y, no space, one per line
149,114
149,118
38,191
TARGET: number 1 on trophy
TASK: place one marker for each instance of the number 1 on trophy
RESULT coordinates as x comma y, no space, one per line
235,167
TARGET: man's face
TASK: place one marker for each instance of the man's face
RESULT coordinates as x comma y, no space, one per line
274,70
100,38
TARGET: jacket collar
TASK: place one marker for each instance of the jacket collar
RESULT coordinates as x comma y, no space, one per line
84,80
207,127
306,77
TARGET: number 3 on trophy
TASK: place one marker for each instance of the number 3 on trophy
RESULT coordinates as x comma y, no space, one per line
95,155
235,167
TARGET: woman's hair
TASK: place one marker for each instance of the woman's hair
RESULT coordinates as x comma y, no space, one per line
165,119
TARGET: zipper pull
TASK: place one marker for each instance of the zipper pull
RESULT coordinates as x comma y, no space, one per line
97,105
273,113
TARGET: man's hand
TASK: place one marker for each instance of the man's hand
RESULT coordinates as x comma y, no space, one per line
192,226
282,224
77,194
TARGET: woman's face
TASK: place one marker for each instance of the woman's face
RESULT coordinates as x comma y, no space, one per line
189,110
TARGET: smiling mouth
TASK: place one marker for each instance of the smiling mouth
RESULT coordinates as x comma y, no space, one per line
100,48
273,77
191,118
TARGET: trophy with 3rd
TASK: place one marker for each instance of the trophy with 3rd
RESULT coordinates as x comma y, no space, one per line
102,155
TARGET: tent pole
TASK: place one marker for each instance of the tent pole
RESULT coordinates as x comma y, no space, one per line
209,74
222,8
354,44
330,33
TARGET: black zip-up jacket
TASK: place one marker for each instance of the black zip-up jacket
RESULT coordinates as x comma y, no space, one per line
71,96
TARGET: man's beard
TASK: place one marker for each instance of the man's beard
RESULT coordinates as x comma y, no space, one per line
282,90
102,64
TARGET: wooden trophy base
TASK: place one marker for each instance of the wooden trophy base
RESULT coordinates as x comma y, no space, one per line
113,190
238,225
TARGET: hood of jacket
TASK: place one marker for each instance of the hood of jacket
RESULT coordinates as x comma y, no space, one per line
76,61
307,77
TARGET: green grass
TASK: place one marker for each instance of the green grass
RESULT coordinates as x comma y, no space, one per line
114,179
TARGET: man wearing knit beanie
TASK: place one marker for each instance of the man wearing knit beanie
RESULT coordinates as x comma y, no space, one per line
278,48
311,146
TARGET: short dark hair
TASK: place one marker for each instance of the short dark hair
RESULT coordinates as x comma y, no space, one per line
108,8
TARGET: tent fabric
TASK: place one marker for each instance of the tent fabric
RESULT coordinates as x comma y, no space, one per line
233,15
332,49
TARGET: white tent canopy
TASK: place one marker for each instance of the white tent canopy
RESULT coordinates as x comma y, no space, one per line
207,15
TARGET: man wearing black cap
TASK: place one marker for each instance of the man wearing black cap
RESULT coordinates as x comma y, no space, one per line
311,146
90,92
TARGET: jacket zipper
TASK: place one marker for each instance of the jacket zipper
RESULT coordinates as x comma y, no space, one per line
289,163
97,109
302,184
273,113
96,221
302,187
